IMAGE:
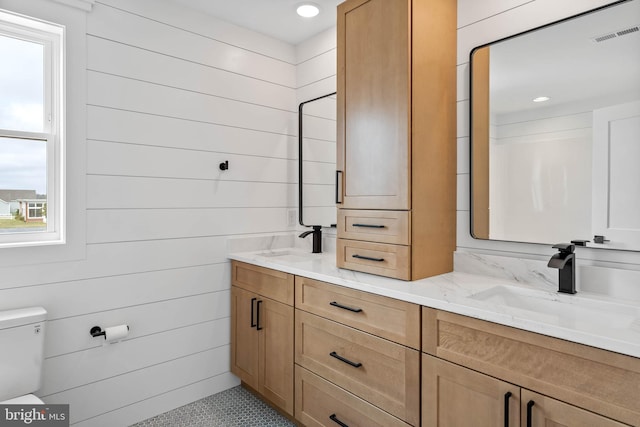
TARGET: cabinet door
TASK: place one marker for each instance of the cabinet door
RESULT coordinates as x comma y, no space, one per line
374,104
453,396
275,332
244,341
541,411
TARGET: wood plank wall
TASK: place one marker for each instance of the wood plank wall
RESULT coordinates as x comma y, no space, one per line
170,95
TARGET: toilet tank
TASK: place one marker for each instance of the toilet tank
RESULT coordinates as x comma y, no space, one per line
21,351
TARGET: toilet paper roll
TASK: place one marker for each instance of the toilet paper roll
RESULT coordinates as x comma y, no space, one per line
116,333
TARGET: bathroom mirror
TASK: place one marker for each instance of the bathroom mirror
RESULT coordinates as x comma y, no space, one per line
555,132
317,161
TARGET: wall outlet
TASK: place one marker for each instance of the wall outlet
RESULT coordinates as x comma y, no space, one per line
292,217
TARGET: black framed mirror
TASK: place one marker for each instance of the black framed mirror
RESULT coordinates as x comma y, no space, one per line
317,161
555,132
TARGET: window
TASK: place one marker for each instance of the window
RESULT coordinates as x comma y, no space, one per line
31,131
35,210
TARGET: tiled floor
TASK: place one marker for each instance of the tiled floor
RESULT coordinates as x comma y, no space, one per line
235,407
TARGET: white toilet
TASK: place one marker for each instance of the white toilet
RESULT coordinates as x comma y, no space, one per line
22,344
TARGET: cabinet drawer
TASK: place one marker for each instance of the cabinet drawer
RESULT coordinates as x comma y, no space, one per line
375,226
597,380
264,281
375,258
379,371
318,402
389,318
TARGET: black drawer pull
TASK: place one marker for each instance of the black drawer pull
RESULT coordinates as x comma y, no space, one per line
253,322
368,258
344,307
507,396
258,304
368,225
335,419
529,415
347,361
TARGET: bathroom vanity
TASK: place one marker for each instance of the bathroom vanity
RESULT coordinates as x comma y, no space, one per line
375,351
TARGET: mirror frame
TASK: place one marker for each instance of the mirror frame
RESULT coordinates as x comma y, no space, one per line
482,104
300,156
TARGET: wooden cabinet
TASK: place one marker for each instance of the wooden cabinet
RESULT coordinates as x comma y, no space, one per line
262,332
396,141
456,396
357,346
358,362
570,384
459,397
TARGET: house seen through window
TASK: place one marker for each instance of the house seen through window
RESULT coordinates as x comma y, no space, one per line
31,131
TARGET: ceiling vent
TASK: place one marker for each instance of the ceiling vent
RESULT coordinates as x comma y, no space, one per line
616,34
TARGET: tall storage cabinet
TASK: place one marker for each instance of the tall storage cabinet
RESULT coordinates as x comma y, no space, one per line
396,136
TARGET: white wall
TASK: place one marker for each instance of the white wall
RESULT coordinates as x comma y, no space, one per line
484,22
170,95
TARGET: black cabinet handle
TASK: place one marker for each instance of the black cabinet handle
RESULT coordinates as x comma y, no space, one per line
258,327
368,225
507,396
253,322
368,258
529,415
335,419
345,307
347,361
338,201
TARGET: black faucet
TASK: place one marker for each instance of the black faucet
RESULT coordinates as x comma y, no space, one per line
317,238
564,261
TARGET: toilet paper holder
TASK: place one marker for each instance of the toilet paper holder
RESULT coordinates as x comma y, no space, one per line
97,331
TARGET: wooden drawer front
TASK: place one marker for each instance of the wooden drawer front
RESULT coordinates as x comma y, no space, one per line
264,281
389,374
375,226
389,318
379,258
597,380
317,401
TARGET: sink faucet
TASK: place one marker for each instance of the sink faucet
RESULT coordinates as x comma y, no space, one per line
317,238
564,261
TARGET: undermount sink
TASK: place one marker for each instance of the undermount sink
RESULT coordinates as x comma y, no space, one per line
285,255
563,310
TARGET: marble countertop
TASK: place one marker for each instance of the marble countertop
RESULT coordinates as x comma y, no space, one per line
586,318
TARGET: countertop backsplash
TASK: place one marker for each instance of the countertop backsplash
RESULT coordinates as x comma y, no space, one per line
609,281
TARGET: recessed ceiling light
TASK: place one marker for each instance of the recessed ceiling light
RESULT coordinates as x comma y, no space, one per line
541,99
308,10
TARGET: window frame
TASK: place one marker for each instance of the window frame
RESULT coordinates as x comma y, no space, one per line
52,37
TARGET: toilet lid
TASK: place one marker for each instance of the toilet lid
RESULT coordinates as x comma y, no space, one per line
27,399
